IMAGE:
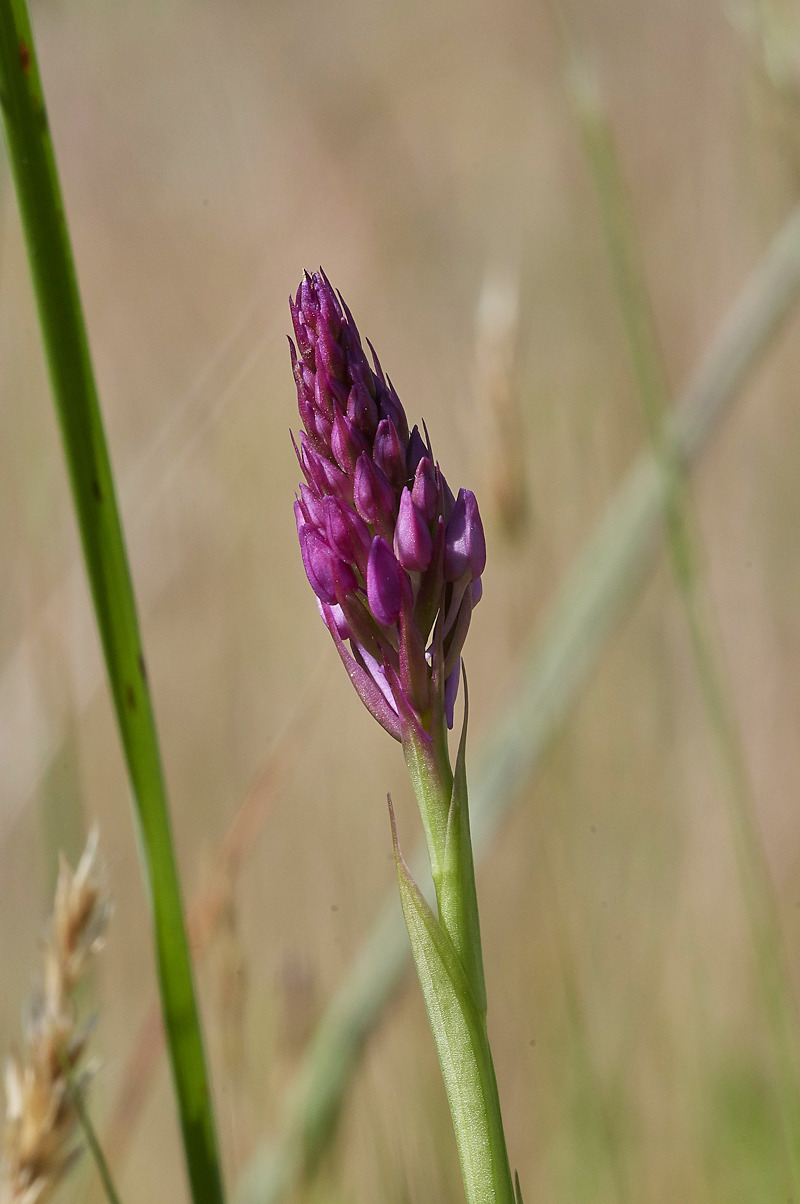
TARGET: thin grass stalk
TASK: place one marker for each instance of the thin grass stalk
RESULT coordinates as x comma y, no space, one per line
33,165
89,1134
595,593
684,551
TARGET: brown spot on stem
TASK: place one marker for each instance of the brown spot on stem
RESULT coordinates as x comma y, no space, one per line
96,490
142,667
24,57
130,697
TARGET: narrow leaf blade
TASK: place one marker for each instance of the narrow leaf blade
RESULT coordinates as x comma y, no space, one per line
458,895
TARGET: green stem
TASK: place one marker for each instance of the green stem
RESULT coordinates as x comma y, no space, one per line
450,969
33,165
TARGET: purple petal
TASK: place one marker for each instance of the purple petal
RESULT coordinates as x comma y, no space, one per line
338,617
365,686
377,673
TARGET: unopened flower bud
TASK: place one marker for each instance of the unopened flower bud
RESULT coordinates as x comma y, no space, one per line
384,589
304,341
389,454
325,476
348,534
372,493
313,507
319,563
361,409
347,443
329,353
412,540
465,544
329,307
426,490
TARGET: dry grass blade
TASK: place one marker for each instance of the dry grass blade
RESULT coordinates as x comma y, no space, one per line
42,1086
593,596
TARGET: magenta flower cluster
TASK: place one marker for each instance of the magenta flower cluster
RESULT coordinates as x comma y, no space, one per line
394,559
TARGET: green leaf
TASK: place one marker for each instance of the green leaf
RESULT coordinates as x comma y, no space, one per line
458,899
517,1188
461,1043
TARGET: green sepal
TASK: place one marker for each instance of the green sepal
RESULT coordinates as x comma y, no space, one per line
462,1045
458,900
517,1188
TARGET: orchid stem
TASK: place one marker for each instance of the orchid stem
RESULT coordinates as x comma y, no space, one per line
449,963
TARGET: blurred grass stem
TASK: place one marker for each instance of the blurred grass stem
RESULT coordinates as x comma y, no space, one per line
89,1134
33,166
595,593
683,546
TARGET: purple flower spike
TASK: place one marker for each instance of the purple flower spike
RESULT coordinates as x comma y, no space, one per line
393,558
384,590
413,545
465,544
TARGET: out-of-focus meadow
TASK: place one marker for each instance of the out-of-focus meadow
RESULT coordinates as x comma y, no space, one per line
428,155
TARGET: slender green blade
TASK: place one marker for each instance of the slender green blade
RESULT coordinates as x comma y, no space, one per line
461,1044
458,899
33,165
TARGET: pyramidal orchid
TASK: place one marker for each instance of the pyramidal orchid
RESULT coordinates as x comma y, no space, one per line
395,561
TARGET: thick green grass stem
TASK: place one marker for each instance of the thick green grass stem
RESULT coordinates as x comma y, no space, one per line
33,166
683,546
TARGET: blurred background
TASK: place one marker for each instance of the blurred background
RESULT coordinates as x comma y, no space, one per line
430,157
